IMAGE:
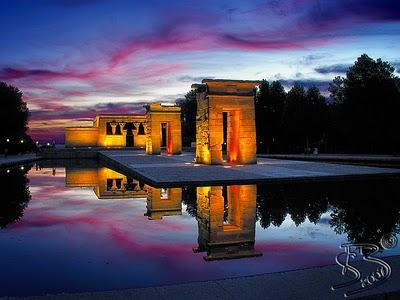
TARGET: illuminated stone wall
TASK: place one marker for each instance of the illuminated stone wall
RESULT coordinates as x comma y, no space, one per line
116,134
236,99
119,140
98,135
163,202
81,136
233,237
156,115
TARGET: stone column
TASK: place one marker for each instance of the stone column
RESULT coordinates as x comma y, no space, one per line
121,125
113,127
114,185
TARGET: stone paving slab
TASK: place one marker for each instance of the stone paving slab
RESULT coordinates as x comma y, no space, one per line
177,170
359,159
17,159
338,157
310,283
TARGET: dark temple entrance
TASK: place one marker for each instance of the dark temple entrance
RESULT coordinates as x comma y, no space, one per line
224,133
164,128
130,139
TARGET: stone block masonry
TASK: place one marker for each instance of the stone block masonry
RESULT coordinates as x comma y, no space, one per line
225,122
163,129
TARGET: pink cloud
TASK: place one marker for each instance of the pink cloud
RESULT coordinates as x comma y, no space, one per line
39,74
119,64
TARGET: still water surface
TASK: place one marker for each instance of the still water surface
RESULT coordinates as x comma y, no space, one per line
71,228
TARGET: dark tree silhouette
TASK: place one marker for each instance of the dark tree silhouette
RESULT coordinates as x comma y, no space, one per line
14,116
305,201
269,102
188,118
271,205
366,107
189,198
317,118
300,201
305,121
15,195
294,119
366,211
363,211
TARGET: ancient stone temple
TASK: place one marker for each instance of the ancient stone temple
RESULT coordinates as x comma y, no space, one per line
159,128
226,219
225,122
163,129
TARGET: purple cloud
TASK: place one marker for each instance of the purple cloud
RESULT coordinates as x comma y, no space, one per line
338,68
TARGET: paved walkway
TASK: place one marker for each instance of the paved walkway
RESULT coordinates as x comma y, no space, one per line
368,159
181,170
11,160
312,283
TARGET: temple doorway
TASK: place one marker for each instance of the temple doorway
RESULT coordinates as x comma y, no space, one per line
224,145
230,135
130,138
164,134
163,129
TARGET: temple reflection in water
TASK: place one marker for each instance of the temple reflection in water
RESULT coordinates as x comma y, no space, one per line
107,183
163,202
226,220
226,215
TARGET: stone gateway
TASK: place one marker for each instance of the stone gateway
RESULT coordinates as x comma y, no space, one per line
225,122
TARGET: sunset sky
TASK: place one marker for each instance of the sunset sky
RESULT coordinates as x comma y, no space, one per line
76,58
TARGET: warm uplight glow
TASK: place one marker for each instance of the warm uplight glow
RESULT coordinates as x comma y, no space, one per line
233,136
227,221
163,129
225,121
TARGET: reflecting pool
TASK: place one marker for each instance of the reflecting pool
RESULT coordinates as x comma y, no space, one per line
74,226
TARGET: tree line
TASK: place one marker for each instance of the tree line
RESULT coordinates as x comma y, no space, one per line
14,115
360,115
